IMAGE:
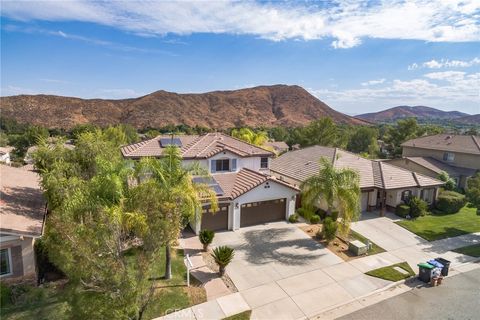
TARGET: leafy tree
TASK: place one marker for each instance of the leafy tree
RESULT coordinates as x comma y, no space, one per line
257,138
78,129
472,132
404,130
364,139
450,184
181,197
473,190
338,188
279,133
29,138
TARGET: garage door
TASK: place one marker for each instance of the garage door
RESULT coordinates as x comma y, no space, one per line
364,201
261,212
215,220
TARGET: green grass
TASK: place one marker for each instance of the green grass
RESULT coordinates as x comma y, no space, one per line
473,250
439,226
373,250
51,303
389,273
245,315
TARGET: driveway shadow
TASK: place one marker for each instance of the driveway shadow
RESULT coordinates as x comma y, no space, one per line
263,246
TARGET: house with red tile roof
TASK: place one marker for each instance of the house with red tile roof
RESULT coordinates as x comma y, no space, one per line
239,174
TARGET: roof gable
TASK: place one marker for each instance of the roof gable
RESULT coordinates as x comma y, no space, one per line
447,142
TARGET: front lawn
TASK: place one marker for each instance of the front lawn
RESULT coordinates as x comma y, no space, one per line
50,302
245,315
439,226
389,273
473,250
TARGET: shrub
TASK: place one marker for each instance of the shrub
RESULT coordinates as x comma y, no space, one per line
402,210
449,182
293,218
450,201
223,255
314,219
329,229
334,215
473,190
5,294
418,207
206,238
321,213
306,212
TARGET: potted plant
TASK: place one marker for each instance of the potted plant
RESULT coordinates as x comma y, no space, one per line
206,238
223,255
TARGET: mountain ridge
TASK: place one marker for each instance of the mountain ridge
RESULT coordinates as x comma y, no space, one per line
420,112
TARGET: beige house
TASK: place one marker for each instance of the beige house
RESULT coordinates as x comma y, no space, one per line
22,215
382,185
458,155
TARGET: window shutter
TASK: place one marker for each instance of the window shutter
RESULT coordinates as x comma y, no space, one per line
213,167
234,165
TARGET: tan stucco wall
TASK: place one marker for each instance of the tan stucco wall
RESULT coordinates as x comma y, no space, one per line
28,256
461,159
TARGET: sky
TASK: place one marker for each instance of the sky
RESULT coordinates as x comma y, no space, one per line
357,56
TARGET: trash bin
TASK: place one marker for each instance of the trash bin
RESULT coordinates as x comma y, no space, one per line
425,272
446,266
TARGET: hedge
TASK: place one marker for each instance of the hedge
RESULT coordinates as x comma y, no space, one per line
402,210
450,202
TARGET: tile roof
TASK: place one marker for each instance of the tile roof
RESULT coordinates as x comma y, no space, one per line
236,184
196,147
22,205
447,142
302,164
438,166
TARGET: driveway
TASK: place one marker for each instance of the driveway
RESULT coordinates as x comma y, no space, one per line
283,274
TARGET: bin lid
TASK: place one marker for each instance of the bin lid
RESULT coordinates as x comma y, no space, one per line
425,265
435,263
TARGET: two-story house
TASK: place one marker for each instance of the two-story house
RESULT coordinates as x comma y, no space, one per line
239,174
458,155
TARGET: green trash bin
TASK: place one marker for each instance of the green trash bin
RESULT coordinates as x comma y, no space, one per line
425,272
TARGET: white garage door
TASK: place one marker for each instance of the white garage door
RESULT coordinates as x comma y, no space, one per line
364,202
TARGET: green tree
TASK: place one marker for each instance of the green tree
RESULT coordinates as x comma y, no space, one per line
473,190
404,130
450,184
338,189
181,197
257,138
364,139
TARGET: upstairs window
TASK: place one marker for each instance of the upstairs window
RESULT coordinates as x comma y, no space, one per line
448,156
222,165
264,163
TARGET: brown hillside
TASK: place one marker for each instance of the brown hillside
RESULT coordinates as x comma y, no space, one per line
259,106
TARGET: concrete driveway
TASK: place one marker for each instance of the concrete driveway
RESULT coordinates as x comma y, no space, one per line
283,274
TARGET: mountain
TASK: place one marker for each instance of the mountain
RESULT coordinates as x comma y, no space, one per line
258,106
473,119
419,112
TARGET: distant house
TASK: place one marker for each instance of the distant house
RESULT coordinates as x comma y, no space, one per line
458,155
22,215
382,185
239,171
5,154
278,146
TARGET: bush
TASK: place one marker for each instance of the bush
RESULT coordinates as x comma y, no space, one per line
450,202
293,218
418,207
206,238
449,182
223,255
329,230
306,212
402,210
321,213
334,215
314,219
5,294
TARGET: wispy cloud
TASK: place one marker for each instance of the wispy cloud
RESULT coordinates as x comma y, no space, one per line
445,63
373,82
346,22
58,81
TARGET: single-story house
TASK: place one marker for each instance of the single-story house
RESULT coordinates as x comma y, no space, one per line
22,214
382,185
239,174
278,146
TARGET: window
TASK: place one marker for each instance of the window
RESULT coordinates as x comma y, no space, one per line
264,163
222,165
448,156
5,262
406,195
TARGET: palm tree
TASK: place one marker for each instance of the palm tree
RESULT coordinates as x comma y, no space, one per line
338,188
257,138
223,255
181,197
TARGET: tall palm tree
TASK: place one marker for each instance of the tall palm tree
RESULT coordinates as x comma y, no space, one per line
257,138
181,197
338,188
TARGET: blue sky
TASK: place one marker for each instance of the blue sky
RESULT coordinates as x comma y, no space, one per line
356,56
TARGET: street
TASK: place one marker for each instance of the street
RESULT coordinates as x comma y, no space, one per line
457,298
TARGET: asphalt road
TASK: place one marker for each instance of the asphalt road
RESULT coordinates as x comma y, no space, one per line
458,298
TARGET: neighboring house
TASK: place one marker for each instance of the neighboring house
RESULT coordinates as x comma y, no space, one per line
22,213
5,154
239,171
460,154
382,185
278,146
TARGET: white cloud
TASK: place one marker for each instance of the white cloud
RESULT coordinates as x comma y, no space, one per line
373,82
445,63
347,22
